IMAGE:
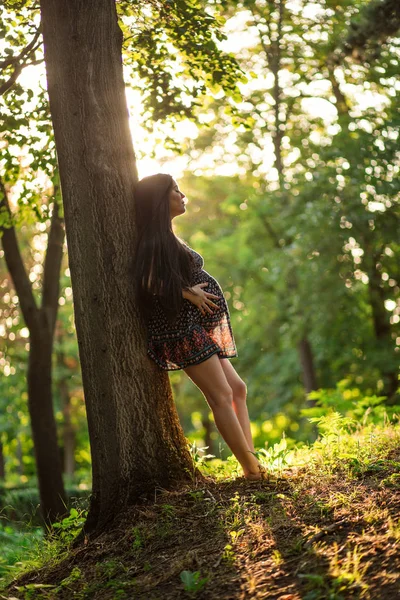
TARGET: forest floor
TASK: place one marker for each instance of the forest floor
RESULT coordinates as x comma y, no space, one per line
313,532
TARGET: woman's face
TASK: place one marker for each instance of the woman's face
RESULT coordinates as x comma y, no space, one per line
177,205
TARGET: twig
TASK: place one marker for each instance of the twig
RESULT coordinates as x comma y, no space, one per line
324,531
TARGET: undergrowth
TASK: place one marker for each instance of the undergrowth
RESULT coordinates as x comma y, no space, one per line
314,531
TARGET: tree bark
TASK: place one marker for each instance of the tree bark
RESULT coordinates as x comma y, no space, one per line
136,439
40,321
44,432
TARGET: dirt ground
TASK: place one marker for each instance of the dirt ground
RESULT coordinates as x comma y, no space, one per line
300,536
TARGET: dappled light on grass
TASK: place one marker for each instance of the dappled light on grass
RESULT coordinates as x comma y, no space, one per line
325,526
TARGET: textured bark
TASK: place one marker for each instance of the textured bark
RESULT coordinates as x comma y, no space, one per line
136,439
40,321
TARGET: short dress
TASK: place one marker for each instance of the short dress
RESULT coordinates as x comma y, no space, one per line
194,337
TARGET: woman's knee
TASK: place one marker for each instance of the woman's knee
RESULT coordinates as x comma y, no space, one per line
222,398
239,390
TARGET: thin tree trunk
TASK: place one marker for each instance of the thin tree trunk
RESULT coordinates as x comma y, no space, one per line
137,442
307,364
20,458
40,321
381,325
273,55
208,429
44,430
2,462
380,317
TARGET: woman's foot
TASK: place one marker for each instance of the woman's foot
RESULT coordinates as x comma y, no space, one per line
261,474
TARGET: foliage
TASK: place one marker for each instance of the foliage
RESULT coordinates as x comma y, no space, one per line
68,529
21,504
352,404
172,47
193,582
370,29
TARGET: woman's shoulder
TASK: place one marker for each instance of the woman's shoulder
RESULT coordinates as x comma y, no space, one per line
187,247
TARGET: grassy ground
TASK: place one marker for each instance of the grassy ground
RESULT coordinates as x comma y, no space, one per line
326,526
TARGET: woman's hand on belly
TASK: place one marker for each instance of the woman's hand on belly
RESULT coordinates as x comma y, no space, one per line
201,298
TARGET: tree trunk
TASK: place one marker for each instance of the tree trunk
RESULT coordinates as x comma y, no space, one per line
20,457
307,364
137,442
2,462
208,429
44,430
385,346
40,322
381,323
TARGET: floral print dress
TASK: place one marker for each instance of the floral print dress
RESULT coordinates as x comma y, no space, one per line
194,337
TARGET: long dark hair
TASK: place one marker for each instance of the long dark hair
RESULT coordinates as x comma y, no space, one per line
162,265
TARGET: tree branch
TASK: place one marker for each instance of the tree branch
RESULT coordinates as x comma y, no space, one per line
20,63
29,48
16,268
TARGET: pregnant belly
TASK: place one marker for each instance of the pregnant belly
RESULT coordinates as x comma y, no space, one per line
204,277
213,287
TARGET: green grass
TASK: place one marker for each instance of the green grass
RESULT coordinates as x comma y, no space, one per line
326,526
16,545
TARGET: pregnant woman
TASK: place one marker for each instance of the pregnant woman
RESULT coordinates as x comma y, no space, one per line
187,315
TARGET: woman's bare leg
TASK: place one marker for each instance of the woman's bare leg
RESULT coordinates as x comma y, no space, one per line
210,378
239,399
